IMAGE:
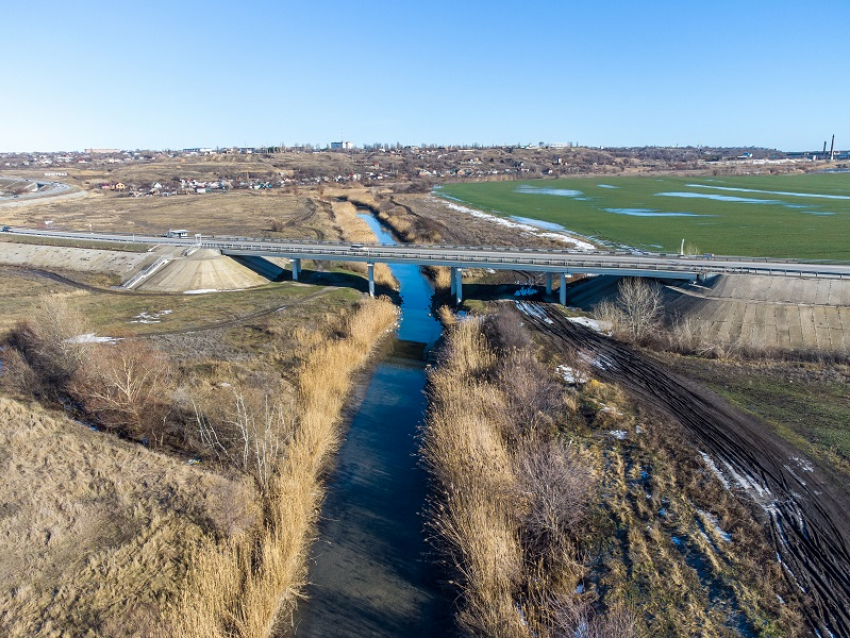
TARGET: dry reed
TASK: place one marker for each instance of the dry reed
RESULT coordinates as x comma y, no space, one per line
247,586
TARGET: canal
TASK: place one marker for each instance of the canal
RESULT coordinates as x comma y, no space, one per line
370,570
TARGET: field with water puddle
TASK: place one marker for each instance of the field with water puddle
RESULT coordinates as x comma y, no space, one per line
795,216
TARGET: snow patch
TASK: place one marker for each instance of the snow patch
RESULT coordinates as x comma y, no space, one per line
715,470
602,327
91,338
571,375
532,311
201,291
711,519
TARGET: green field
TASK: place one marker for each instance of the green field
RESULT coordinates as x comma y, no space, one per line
795,216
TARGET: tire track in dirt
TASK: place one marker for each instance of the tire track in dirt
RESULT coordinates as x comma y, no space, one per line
807,508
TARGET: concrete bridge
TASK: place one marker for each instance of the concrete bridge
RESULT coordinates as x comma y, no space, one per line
562,263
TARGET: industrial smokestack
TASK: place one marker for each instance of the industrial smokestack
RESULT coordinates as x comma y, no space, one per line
832,148
824,147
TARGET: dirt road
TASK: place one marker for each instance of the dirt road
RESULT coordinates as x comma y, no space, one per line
808,509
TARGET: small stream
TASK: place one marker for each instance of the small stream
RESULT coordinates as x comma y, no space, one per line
370,573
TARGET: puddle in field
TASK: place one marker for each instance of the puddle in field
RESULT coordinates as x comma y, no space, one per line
537,223
649,212
720,198
558,192
754,190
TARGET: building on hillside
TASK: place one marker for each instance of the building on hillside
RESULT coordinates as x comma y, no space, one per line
342,146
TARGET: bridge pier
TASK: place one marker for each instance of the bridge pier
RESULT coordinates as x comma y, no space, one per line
370,267
296,269
562,292
457,285
548,283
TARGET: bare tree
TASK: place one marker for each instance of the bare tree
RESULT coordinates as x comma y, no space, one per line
636,314
252,437
125,387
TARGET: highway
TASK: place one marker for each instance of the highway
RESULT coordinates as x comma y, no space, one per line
535,259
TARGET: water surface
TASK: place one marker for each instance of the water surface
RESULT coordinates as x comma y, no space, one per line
371,573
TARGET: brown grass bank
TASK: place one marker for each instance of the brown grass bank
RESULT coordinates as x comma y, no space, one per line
224,573
246,587
565,511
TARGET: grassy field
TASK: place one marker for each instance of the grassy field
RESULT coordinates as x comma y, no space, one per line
796,216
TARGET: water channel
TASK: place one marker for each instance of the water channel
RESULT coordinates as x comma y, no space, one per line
370,574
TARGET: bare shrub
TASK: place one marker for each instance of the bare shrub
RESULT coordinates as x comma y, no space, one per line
253,437
574,617
556,485
51,344
636,314
504,330
532,397
125,387
278,225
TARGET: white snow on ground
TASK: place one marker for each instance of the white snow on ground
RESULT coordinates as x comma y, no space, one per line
531,311
715,470
803,464
91,338
571,375
201,291
620,435
577,242
711,519
602,327
147,317
602,362
747,482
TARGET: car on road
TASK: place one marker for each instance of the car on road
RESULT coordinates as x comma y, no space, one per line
5,229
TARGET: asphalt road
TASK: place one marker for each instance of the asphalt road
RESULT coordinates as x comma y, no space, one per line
540,260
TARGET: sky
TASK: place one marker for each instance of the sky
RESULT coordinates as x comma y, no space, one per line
185,73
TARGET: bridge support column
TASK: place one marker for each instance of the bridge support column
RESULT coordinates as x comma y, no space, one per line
371,268
548,283
458,285
562,292
452,275
296,269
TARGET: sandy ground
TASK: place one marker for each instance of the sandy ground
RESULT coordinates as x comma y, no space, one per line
783,313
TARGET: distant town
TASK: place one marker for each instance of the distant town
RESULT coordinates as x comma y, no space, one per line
270,167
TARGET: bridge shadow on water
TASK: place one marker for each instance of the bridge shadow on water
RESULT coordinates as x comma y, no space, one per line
317,277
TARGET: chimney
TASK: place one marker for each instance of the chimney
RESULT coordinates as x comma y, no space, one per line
824,147
832,149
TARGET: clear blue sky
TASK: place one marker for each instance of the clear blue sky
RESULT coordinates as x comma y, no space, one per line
175,74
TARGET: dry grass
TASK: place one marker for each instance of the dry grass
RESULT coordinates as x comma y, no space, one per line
354,229
544,488
97,534
510,493
225,598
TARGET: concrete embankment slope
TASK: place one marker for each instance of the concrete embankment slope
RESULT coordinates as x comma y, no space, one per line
201,270
114,262
787,313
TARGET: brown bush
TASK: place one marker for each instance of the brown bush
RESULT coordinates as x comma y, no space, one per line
125,387
557,485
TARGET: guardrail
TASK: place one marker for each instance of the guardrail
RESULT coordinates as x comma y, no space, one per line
498,257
